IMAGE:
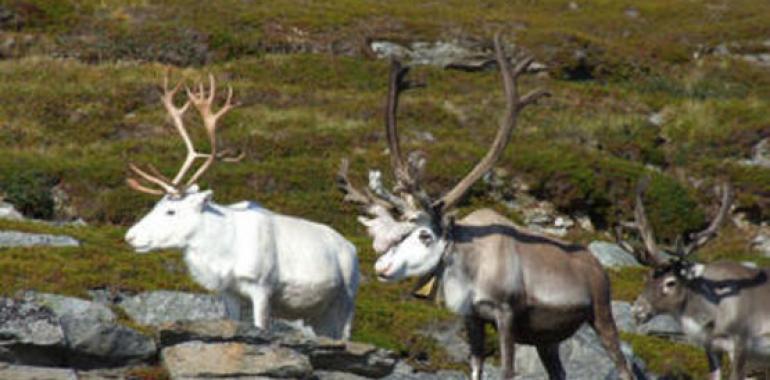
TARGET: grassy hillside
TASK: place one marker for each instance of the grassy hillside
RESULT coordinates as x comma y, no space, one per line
80,85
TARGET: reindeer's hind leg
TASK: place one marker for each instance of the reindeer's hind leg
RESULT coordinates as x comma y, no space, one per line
604,325
549,355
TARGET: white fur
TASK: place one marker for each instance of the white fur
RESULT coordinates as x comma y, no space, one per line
287,267
411,257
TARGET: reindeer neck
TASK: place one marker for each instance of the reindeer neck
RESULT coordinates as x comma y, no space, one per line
215,229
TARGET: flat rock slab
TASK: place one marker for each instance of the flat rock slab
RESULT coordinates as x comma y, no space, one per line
23,372
161,307
26,239
71,307
198,360
324,353
611,255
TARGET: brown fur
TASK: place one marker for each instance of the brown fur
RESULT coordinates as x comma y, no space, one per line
543,288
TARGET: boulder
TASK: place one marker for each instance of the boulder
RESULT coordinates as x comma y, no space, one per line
234,360
30,334
95,344
52,330
662,325
624,319
7,211
159,307
324,353
583,357
611,255
72,307
26,239
358,358
211,332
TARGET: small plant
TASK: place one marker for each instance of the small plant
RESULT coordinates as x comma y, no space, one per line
30,192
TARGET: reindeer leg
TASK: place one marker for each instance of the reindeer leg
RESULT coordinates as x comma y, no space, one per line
604,325
715,363
475,329
260,300
504,320
549,355
738,363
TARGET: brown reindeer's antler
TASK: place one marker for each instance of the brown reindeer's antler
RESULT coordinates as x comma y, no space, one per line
650,255
408,196
514,104
202,100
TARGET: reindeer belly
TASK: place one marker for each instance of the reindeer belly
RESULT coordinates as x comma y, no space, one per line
545,324
301,300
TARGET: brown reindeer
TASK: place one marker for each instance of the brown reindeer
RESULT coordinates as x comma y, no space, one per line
535,289
722,306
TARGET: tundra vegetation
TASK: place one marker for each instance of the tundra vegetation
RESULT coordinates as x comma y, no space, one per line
665,84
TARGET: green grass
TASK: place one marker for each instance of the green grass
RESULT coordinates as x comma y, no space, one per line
75,123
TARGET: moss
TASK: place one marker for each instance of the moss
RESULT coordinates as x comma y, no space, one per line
666,358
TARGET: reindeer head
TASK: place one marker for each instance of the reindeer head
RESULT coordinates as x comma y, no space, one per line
177,215
670,276
410,229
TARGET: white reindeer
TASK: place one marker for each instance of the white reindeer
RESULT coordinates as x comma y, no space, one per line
287,267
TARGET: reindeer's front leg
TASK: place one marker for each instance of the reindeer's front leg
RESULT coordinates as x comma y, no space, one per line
475,329
260,300
504,320
715,363
738,360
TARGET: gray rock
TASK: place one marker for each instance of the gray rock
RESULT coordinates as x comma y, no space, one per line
583,357
53,330
334,375
324,353
760,153
23,372
446,54
449,335
7,211
26,239
624,319
611,255
159,307
29,334
212,332
662,325
71,307
439,375
358,358
233,360
761,243
95,344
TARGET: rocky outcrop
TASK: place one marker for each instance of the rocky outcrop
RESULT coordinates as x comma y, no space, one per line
52,336
583,355
26,239
159,307
611,255
52,330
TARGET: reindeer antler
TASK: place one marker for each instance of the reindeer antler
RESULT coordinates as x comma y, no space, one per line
514,104
202,100
650,254
408,196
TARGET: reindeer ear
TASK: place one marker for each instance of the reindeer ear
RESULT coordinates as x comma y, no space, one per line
201,199
192,189
693,271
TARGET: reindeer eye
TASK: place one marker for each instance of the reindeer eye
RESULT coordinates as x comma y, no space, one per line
170,212
425,237
669,284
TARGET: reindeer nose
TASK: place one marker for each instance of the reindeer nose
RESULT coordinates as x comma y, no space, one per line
130,237
382,268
